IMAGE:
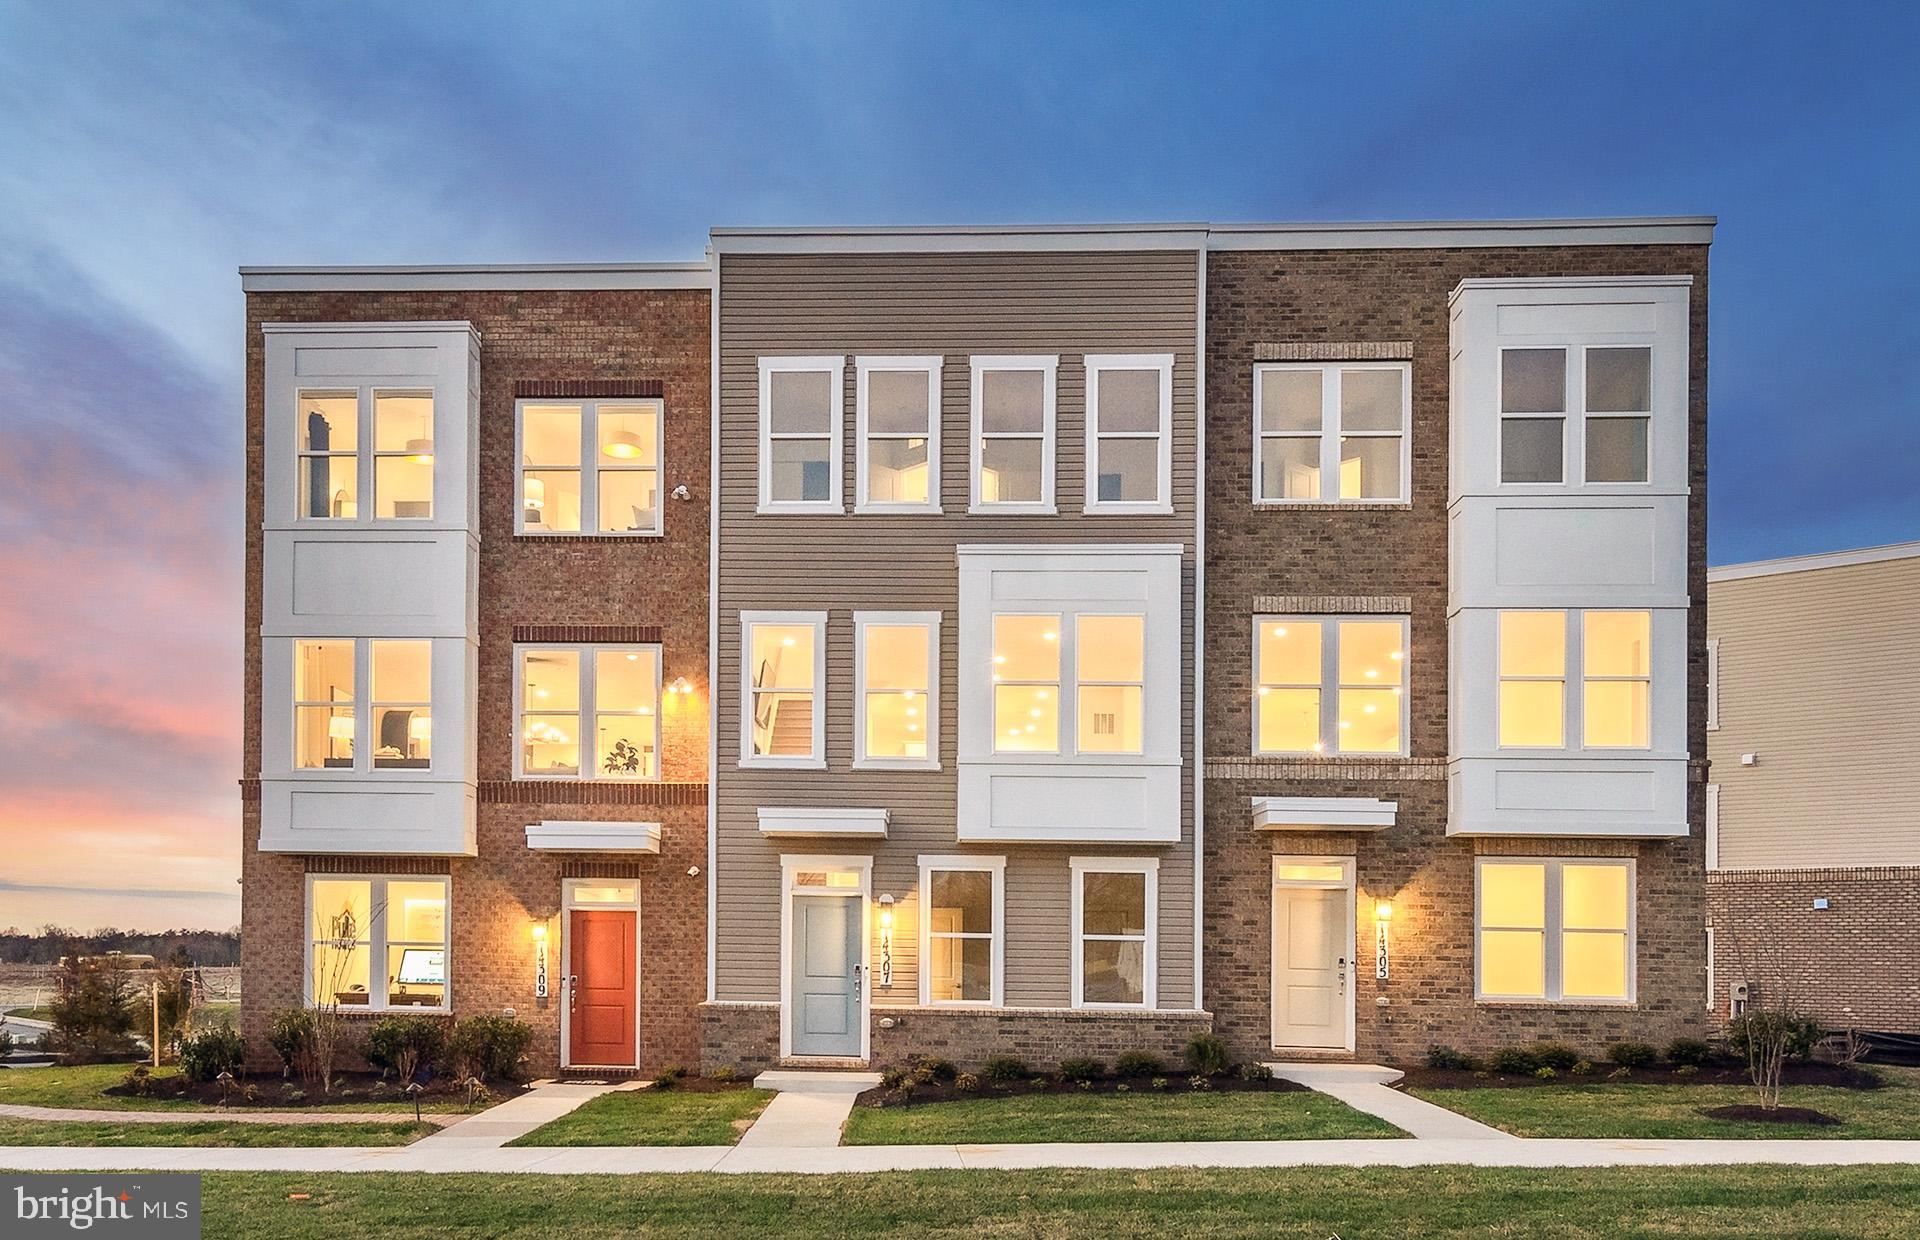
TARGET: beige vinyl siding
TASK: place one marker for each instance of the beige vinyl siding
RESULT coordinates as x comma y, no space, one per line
1819,674
952,305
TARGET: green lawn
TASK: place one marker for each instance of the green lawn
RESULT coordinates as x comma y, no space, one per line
1608,1109
32,1013
85,1086
207,1132
1298,1116
655,1117
1719,1203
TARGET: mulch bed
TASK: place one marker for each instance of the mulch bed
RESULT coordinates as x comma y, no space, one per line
274,1094
697,1085
1835,1075
942,1091
1748,1113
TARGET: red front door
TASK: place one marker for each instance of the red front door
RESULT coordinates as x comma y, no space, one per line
601,1001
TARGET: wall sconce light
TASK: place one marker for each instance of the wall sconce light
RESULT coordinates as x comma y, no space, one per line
1383,910
539,931
681,492
886,939
1382,918
680,685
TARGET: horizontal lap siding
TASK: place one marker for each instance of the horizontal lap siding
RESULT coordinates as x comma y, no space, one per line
952,306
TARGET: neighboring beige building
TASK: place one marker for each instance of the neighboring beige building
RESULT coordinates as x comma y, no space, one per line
1813,835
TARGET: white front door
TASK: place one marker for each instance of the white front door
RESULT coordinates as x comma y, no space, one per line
1312,968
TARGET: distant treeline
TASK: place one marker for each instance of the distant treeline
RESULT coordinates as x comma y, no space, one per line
207,948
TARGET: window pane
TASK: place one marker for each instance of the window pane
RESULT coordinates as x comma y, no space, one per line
1531,450
341,973
629,501
1513,894
1010,470
1026,719
1113,903
1370,400
896,685
897,402
416,912
1616,449
403,486
323,671
897,471
1616,714
1026,648
1370,652
1113,972
330,486
550,435
403,422
1290,400
896,725
1111,647
1369,721
896,656
1533,643
1619,380
625,680
1310,873
329,421
1128,471
1013,401
1289,468
1370,468
402,671
783,725
782,656
550,745
1290,652
416,976
341,909
629,435
960,970
1289,720
1533,380
1513,962
1593,966
402,737
623,746
801,402
1109,719
962,902
551,500
1593,897
1533,713
550,680
1617,643
322,737
802,469
1129,400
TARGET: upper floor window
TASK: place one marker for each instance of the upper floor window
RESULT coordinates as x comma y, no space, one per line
1106,697
1314,422
568,693
1129,449
897,708
897,421
377,943
1605,661
1330,685
1605,393
783,665
1552,929
335,473
333,676
590,466
1013,433
801,416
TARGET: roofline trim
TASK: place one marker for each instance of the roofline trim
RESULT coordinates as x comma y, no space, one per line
512,277
1458,234
1808,563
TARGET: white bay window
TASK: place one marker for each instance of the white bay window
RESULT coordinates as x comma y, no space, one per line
333,676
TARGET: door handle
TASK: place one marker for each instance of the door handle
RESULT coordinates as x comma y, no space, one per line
573,991
1343,973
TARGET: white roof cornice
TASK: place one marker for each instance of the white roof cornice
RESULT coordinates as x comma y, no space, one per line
1808,563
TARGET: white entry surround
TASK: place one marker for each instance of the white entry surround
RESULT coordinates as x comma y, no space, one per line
1069,796
1569,545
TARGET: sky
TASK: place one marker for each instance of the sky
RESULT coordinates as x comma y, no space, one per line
147,150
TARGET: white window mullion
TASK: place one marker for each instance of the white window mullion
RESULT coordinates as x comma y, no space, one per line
1576,671
589,467
1330,435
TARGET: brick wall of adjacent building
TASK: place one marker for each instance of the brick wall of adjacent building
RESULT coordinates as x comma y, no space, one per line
607,587
1855,964
1259,558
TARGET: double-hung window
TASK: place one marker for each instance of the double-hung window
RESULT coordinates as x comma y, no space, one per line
1314,423
897,428
802,402
1552,929
783,669
335,473
1013,433
1613,410
565,694
897,705
1330,684
962,941
1548,659
1129,450
590,467
332,677
1114,914
1107,691
378,944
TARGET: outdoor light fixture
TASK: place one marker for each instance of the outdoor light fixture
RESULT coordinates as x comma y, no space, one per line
1382,917
1383,910
680,686
886,939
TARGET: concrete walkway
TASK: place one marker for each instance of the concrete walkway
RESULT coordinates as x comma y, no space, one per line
809,1110
76,1115
1364,1087
513,1118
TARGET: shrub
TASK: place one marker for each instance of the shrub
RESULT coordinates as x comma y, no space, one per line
1123,1088
1513,1061
893,1077
406,1044
1158,1082
1545,1072
1207,1054
1685,1052
1632,1054
1447,1059
290,1034
1081,1068
6,1040
1255,1072
1138,1063
724,1075
1003,1068
669,1076
1687,1069
937,1068
1583,1068
1801,1032
205,1055
1555,1055
1619,1074
1199,1081
491,1047
967,1083
93,1013
921,1076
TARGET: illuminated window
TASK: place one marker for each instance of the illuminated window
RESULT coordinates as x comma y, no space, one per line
1314,422
1533,679
1026,684
801,402
1129,434
590,466
897,411
961,901
402,698
608,693
403,455
1618,678
352,922
329,455
333,427
323,714
329,733
1013,428
783,663
898,691
1110,682
1613,668
1554,929
1115,908
1330,684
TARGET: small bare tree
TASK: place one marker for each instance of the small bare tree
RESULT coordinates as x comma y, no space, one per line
1774,1028
334,970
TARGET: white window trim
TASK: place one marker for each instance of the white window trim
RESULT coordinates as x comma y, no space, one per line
1573,677
1713,684
790,865
817,760
885,619
1573,415
1330,685
1048,365
836,367
378,940
365,453
996,866
1553,932
363,738
570,904
1079,868
589,653
1330,433
1163,501
1713,827
589,467
1711,997
865,366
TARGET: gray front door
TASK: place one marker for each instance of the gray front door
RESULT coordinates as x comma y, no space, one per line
826,976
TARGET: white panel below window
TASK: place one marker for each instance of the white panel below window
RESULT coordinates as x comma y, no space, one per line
364,816
1037,804
1642,798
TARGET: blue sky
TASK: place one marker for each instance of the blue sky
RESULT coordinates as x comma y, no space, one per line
146,150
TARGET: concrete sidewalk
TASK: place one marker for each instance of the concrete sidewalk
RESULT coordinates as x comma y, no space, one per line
516,1117
77,1115
809,1110
1364,1087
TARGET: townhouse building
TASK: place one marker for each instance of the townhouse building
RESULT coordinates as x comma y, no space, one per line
1041,641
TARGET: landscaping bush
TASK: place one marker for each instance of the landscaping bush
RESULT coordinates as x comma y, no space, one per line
1800,1032
893,1077
1583,1068
1158,1082
1003,1068
1081,1068
491,1047
6,1040
290,1034
1689,1052
1632,1054
1445,1058
1545,1072
406,1044
937,1068
1138,1063
93,1013
669,1076
1207,1054
724,1075
205,1055
1199,1081
139,1081
1255,1072
1555,1055
967,1083
1513,1061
